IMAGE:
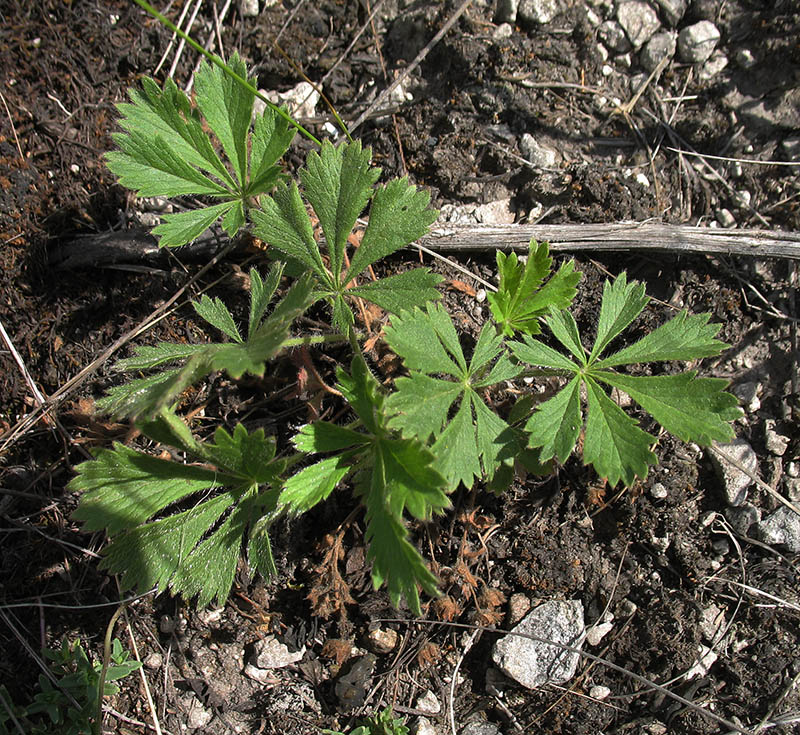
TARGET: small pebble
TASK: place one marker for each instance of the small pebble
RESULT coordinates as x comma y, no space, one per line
747,393
382,640
776,443
596,633
423,726
638,20
428,703
658,491
249,8
744,58
599,692
697,42
506,11
725,218
742,517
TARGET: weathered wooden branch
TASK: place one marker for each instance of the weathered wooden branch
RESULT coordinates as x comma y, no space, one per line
624,236
139,247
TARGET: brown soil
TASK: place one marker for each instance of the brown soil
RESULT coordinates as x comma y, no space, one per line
656,563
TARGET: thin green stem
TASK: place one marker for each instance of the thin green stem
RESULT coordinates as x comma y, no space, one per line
101,684
166,22
314,340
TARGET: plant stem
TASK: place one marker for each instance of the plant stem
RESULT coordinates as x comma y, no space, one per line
144,5
101,685
314,340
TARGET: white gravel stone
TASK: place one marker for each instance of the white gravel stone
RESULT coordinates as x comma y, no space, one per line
725,218
269,653
596,633
518,607
747,393
382,640
697,42
537,12
734,481
599,692
301,100
776,443
536,153
249,8
504,30
672,10
705,660
198,716
506,11
791,147
658,491
612,35
713,66
782,528
638,20
533,663
792,485
423,726
428,703
712,623
480,728
660,46
744,58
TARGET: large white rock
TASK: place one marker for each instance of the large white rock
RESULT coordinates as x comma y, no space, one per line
532,662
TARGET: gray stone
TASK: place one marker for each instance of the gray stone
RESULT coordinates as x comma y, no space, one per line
599,692
506,11
776,443
638,20
518,607
504,30
713,66
697,42
782,528
351,687
197,716
382,640
480,728
672,10
533,663
705,660
537,12
734,481
659,491
747,393
612,35
791,148
660,46
428,703
535,153
744,58
725,218
249,8
423,726
743,517
269,653
597,632
712,623
792,485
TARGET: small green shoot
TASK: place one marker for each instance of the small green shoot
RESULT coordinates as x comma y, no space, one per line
383,723
692,408
521,300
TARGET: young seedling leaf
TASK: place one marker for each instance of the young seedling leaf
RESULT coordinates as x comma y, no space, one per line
216,313
521,299
694,409
401,291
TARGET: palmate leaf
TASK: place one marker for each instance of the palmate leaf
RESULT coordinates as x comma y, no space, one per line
193,552
469,445
166,150
338,183
142,398
392,475
693,408
521,299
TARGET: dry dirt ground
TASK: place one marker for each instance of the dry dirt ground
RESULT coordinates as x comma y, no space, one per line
659,557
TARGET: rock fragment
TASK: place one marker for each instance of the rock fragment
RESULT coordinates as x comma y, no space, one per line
506,11
742,517
269,653
776,443
249,8
697,42
638,20
533,663
672,10
734,481
382,640
537,12
536,153
782,528
612,35
659,47
480,728
599,692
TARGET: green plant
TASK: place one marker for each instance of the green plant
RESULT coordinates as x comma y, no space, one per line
181,523
380,724
72,702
